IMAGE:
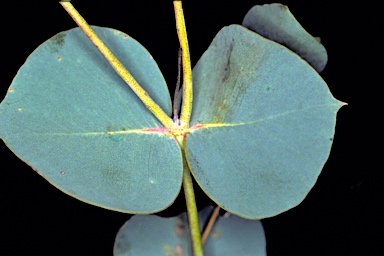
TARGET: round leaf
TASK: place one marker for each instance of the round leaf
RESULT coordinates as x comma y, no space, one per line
276,22
264,124
232,235
152,235
74,121
146,235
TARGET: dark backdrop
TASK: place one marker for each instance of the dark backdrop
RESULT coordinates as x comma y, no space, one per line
340,214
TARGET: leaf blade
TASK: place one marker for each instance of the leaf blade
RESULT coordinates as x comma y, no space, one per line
255,103
276,22
73,119
153,235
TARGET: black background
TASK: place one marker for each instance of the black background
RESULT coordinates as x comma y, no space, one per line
340,216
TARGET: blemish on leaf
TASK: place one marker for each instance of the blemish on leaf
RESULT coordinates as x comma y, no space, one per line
117,32
125,36
268,88
216,234
331,139
112,134
58,58
178,250
62,172
116,138
10,90
227,67
19,109
57,42
179,227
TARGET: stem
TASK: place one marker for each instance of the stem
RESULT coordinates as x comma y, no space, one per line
189,193
118,66
193,217
185,117
176,95
186,108
210,224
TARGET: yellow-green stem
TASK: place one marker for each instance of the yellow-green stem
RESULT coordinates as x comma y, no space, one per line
186,107
193,217
118,66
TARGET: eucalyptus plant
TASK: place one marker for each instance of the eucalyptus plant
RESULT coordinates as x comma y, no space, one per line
90,112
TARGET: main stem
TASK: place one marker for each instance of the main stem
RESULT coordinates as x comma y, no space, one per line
193,217
185,116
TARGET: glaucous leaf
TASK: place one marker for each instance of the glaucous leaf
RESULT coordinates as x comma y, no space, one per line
276,22
74,121
146,235
233,235
264,123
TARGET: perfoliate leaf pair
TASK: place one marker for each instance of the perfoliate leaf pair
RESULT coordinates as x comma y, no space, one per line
261,129
152,235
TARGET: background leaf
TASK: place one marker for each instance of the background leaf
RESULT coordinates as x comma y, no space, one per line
152,235
73,120
276,22
268,123
233,235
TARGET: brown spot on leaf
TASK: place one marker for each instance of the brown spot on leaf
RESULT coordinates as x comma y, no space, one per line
178,250
179,227
227,67
216,234
125,36
58,58
10,89
117,32
62,172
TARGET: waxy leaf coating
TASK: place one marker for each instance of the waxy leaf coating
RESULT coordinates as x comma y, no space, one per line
267,121
276,22
261,129
146,235
74,121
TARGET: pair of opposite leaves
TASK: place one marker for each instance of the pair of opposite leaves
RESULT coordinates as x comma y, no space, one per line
261,129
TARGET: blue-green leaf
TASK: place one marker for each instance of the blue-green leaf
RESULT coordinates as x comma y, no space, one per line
276,22
232,235
152,235
264,124
73,120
